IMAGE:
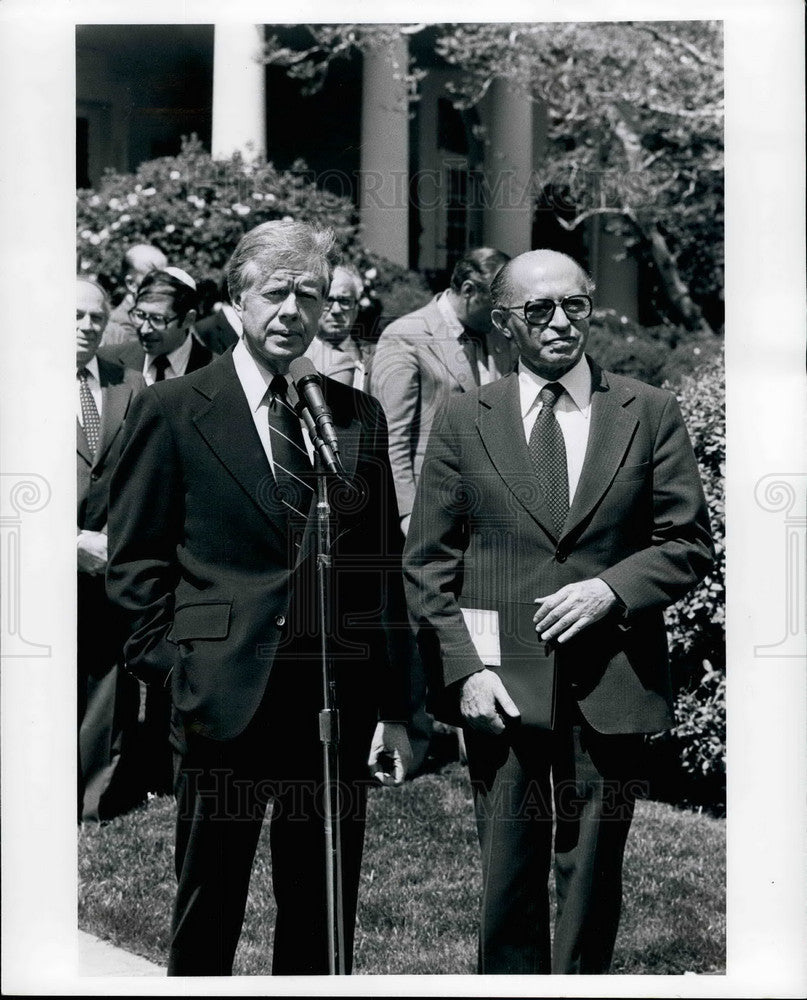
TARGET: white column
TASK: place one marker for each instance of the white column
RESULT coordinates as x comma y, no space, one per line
384,182
508,190
239,91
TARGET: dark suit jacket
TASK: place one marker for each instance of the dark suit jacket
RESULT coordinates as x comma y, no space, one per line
418,365
118,388
481,531
216,333
132,355
202,560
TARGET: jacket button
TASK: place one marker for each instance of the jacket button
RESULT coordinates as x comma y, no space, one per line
280,621
560,556
94,476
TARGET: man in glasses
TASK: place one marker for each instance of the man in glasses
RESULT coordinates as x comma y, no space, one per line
559,512
163,316
333,351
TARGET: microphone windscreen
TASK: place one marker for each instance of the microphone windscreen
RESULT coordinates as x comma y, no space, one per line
303,368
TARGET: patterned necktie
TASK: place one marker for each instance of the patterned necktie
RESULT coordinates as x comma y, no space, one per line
548,454
90,417
160,363
292,467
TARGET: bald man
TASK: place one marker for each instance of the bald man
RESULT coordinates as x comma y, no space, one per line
138,261
108,698
559,511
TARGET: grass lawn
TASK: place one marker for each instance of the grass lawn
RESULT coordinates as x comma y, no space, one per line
419,897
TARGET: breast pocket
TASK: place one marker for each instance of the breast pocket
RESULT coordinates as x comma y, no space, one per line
633,473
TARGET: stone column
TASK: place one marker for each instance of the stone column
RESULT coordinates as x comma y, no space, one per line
384,182
507,192
239,91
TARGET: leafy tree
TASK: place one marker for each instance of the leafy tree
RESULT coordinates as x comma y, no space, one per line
635,117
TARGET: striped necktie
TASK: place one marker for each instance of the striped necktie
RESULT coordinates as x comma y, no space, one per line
548,453
292,467
90,418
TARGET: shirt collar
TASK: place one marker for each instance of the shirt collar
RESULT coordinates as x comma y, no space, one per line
576,382
92,368
254,378
178,359
453,321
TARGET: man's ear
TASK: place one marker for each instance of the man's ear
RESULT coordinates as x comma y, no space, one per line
499,318
190,318
468,289
131,284
236,304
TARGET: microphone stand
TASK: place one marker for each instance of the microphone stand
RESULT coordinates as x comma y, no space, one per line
329,737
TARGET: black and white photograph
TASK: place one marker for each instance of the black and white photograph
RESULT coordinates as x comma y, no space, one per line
437,603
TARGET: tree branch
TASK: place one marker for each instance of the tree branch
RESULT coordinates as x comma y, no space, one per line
672,41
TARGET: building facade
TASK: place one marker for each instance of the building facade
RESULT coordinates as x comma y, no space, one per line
429,180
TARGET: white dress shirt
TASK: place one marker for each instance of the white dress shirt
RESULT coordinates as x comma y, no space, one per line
177,362
573,412
94,384
255,379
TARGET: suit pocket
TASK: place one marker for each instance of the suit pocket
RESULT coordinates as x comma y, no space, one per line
209,620
632,473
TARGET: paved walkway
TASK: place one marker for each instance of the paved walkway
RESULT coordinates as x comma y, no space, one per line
100,958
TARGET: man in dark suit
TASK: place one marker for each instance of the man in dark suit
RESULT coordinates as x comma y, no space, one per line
107,696
163,314
559,511
214,562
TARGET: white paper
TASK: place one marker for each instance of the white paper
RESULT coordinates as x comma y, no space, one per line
483,627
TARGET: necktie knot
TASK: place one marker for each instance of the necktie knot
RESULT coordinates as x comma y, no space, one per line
160,364
279,386
83,374
550,394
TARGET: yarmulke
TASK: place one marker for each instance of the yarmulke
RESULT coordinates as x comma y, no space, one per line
180,275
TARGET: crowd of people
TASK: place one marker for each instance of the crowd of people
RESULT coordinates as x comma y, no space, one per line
517,521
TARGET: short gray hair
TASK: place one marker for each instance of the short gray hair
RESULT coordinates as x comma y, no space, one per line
281,243
353,273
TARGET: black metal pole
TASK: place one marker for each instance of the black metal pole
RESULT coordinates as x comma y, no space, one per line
329,736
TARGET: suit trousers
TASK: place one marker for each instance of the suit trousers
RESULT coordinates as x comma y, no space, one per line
519,779
223,789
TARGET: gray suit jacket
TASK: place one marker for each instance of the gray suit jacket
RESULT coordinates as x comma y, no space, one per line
418,365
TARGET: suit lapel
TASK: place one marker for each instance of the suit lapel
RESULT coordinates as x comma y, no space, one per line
116,399
611,432
222,406
502,432
442,341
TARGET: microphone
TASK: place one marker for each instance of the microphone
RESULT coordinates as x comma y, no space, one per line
316,413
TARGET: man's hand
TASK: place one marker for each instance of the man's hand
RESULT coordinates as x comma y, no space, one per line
91,552
390,753
483,699
572,608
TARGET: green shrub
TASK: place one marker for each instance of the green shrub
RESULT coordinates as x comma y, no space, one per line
195,209
653,354
696,624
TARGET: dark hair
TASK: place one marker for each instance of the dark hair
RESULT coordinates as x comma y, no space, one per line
282,243
480,264
183,297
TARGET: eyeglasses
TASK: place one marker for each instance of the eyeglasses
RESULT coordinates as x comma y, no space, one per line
539,311
343,301
155,320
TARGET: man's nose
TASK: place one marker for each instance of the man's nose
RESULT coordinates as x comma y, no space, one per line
559,320
84,323
289,306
